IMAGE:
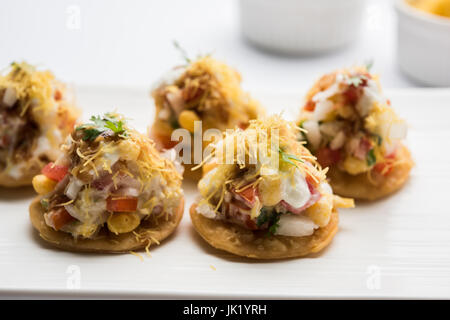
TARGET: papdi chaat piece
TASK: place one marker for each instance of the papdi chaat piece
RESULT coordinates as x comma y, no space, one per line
110,191
36,114
263,195
352,129
204,90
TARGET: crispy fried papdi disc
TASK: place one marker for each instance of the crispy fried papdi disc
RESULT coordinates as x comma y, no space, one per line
31,168
107,241
359,186
243,242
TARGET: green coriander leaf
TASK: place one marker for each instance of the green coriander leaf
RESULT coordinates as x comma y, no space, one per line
100,124
90,134
273,225
270,217
355,81
378,139
369,64
182,51
44,203
114,127
371,159
263,217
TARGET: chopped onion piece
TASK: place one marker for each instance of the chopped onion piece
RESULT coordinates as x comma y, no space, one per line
129,192
9,97
398,131
331,128
324,95
206,210
338,141
371,94
323,108
312,133
295,226
73,188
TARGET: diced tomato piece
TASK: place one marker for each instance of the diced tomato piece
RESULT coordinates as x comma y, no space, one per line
55,172
327,157
163,141
310,106
351,94
248,195
57,95
121,204
250,223
60,218
311,182
243,125
381,167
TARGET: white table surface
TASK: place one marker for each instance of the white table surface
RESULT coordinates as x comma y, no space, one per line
130,42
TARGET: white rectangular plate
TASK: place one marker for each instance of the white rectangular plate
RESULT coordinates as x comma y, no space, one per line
398,247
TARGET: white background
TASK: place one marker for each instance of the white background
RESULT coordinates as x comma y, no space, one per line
130,42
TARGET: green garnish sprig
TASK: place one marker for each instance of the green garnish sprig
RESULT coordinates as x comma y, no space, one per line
357,80
101,124
289,158
182,51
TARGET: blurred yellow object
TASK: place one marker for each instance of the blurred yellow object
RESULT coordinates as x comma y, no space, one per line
270,190
123,222
438,7
186,120
354,166
42,184
340,202
320,212
129,150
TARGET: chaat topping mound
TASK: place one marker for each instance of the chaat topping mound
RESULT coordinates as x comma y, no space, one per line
204,90
110,180
350,125
36,114
268,183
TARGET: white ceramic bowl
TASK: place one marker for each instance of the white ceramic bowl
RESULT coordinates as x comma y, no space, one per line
423,49
301,26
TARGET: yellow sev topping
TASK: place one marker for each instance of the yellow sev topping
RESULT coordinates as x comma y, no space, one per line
30,84
212,90
138,150
149,161
275,136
